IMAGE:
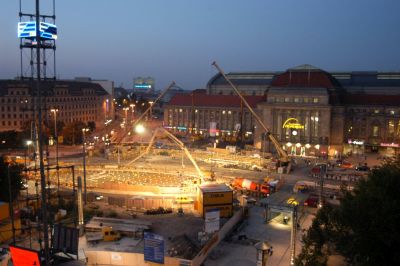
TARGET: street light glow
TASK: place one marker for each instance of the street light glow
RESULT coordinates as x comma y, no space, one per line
139,129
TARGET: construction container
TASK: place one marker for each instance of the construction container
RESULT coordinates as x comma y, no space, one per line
4,212
215,196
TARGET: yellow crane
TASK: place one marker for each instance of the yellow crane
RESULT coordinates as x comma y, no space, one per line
283,156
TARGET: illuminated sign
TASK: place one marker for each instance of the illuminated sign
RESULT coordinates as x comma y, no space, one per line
142,86
292,123
24,256
355,142
390,145
27,29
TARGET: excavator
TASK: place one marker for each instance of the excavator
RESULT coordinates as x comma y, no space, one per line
284,159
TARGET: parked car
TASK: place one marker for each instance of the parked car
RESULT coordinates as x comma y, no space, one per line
311,201
362,168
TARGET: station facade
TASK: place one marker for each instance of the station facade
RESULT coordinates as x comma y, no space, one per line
314,112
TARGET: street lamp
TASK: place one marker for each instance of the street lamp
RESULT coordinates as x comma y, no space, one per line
133,110
126,114
55,111
151,109
84,130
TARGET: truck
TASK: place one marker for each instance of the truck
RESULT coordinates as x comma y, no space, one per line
248,185
107,234
274,184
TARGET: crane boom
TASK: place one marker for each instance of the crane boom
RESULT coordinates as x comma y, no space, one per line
148,109
283,157
179,143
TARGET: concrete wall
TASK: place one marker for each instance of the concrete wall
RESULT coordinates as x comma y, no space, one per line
98,258
216,238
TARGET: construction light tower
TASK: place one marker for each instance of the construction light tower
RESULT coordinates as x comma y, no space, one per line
28,43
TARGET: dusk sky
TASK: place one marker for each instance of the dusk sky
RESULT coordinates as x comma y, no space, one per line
178,40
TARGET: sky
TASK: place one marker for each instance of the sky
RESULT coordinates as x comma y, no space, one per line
177,40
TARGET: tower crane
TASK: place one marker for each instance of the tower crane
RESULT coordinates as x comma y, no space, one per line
283,156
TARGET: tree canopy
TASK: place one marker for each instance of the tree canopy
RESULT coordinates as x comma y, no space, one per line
14,171
364,228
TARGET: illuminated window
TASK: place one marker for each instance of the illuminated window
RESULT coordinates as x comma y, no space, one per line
392,112
376,111
287,99
297,100
305,100
375,131
315,100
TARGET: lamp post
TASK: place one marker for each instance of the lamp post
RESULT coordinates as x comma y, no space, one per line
54,111
151,109
133,110
84,130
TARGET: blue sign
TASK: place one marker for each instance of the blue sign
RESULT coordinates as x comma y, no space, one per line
27,29
153,248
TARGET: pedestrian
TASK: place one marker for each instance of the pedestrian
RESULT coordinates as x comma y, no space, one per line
271,251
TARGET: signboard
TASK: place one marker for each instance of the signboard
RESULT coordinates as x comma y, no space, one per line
292,123
355,142
27,29
213,129
24,256
211,219
153,248
65,239
395,145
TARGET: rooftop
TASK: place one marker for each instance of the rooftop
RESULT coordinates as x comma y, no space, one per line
209,188
206,100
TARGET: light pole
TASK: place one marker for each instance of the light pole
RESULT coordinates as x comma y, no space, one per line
133,111
55,111
84,130
151,110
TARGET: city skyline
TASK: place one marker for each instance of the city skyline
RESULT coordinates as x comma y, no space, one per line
179,40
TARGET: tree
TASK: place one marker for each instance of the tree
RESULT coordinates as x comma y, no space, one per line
72,132
364,227
13,171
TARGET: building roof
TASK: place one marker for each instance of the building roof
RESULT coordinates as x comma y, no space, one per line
305,76
207,100
75,88
368,99
243,78
210,188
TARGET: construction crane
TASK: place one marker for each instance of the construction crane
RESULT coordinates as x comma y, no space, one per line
283,156
179,143
148,110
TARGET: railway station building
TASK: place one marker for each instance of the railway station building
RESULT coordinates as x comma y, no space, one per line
311,111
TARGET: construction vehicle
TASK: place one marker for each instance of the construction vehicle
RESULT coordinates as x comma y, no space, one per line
246,185
107,234
179,143
283,156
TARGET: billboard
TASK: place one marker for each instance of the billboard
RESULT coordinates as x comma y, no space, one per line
27,29
153,248
65,239
24,256
211,219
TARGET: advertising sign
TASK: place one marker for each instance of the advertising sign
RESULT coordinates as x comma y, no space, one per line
211,219
153,248
24,256
27,29
292,123
213,129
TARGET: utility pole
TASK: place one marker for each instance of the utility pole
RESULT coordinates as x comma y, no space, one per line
84,161
56,140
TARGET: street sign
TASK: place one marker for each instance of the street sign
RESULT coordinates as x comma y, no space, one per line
153,248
